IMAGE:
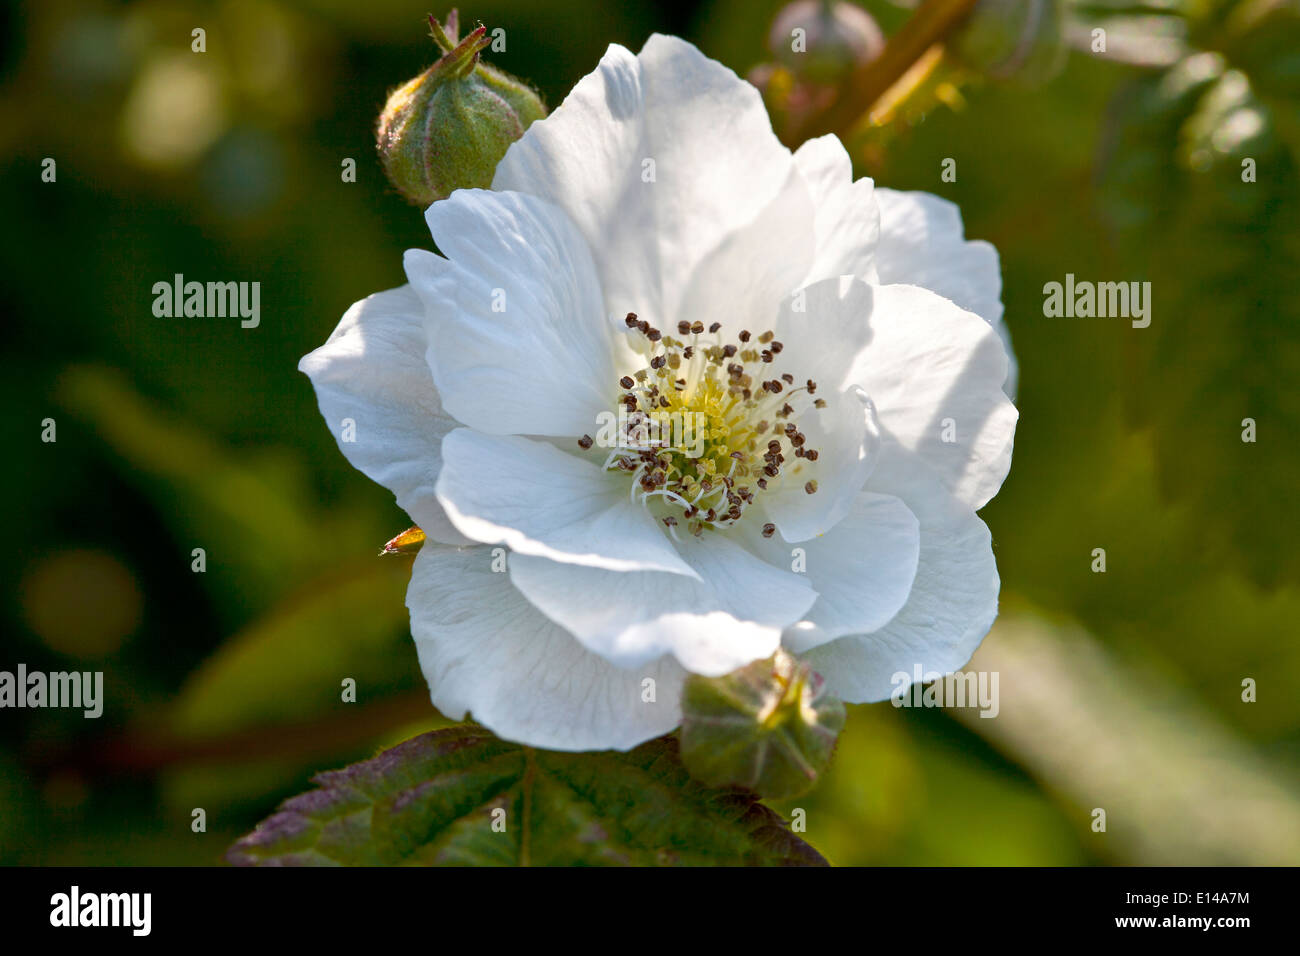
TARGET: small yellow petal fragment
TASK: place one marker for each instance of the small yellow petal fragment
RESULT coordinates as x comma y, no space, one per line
408,542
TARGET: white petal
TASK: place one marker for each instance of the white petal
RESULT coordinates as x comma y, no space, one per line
935,372
743,281
657,157
485,650
823,327
371,371
952,604
519,342
534,498
923,243
847,439
862,569
847,219
732,614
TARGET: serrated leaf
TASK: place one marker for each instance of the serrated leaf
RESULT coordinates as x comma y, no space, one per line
434,800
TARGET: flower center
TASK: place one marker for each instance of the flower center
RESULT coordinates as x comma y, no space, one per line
699,435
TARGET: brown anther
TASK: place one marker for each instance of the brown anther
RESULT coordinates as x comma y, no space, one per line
631,320
810,487
811,454
697,327
769,529
812,386
776,347
688,351
744,336
683,328
658,362
654,335
715,326
728,350
789,379
627,381
585,442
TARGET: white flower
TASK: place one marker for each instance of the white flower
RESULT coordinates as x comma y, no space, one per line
659,189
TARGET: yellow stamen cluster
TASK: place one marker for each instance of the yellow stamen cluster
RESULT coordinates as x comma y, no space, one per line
705,435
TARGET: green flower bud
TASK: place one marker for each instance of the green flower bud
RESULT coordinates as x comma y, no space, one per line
769,727
823,41
449,127
1012,39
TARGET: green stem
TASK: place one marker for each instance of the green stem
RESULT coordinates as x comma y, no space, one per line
930,24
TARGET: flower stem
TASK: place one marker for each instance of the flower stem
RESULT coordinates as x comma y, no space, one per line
928,26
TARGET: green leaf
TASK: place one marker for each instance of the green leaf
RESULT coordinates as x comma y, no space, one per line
1218,245
288,664
251,511
464,797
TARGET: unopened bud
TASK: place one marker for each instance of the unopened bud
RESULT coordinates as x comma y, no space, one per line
449,127
768,727
824,42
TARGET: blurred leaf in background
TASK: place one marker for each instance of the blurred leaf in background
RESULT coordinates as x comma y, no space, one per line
1200,179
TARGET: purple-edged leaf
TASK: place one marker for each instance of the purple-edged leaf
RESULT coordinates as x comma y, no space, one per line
463,797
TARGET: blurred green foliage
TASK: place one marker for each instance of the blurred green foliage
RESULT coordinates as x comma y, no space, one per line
223,688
